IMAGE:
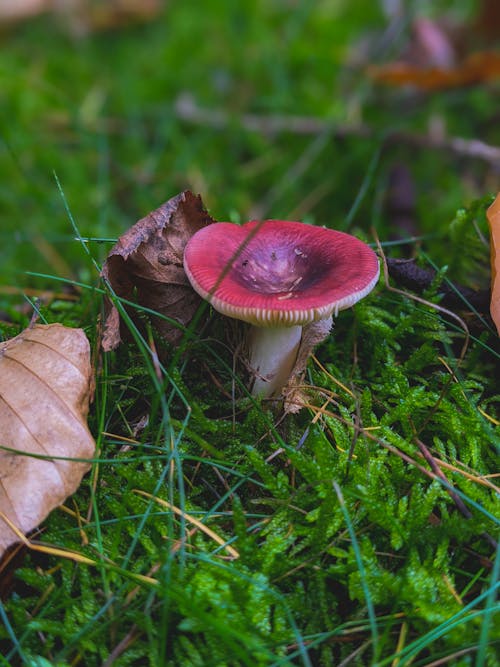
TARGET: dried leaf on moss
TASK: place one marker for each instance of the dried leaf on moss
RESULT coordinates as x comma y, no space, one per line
312,335
146,265
45,384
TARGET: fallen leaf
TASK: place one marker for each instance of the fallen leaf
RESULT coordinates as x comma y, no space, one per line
22,9
477,68
493,216
312,335
436,57
83,16
146,266
45,382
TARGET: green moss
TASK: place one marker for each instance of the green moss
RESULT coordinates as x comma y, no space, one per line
397,566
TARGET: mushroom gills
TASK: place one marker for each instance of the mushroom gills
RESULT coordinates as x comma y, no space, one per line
273,352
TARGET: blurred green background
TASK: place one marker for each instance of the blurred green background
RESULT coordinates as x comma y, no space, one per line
103,100
267,108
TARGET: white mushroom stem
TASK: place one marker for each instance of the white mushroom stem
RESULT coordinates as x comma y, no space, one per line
273,352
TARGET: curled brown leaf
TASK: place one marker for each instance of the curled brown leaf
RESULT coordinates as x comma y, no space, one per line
146,266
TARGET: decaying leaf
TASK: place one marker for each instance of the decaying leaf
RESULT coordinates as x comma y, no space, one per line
493,215
432,60
313,334
83,16
146,266
477,68
22,9
45,380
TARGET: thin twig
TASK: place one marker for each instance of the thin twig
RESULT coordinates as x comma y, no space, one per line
187,109
122,646
439,473
448,658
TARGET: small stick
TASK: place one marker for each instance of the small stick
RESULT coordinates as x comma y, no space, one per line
439,473
187,109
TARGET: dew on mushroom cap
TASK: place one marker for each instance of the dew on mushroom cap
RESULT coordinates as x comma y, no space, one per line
279,274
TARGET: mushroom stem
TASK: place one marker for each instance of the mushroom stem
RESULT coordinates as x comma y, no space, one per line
273,352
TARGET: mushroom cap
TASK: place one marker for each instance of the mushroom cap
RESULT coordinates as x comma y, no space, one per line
279,273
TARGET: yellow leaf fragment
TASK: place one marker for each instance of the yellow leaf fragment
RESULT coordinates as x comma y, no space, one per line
493,216
45,444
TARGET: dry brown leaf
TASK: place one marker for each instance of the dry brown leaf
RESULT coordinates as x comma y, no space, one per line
312,335
148,260
477,68
493,215
45,381
22,9
86,16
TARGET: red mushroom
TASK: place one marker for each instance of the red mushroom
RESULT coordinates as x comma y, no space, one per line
278,276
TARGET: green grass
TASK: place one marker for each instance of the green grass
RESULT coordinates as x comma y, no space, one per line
350,550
